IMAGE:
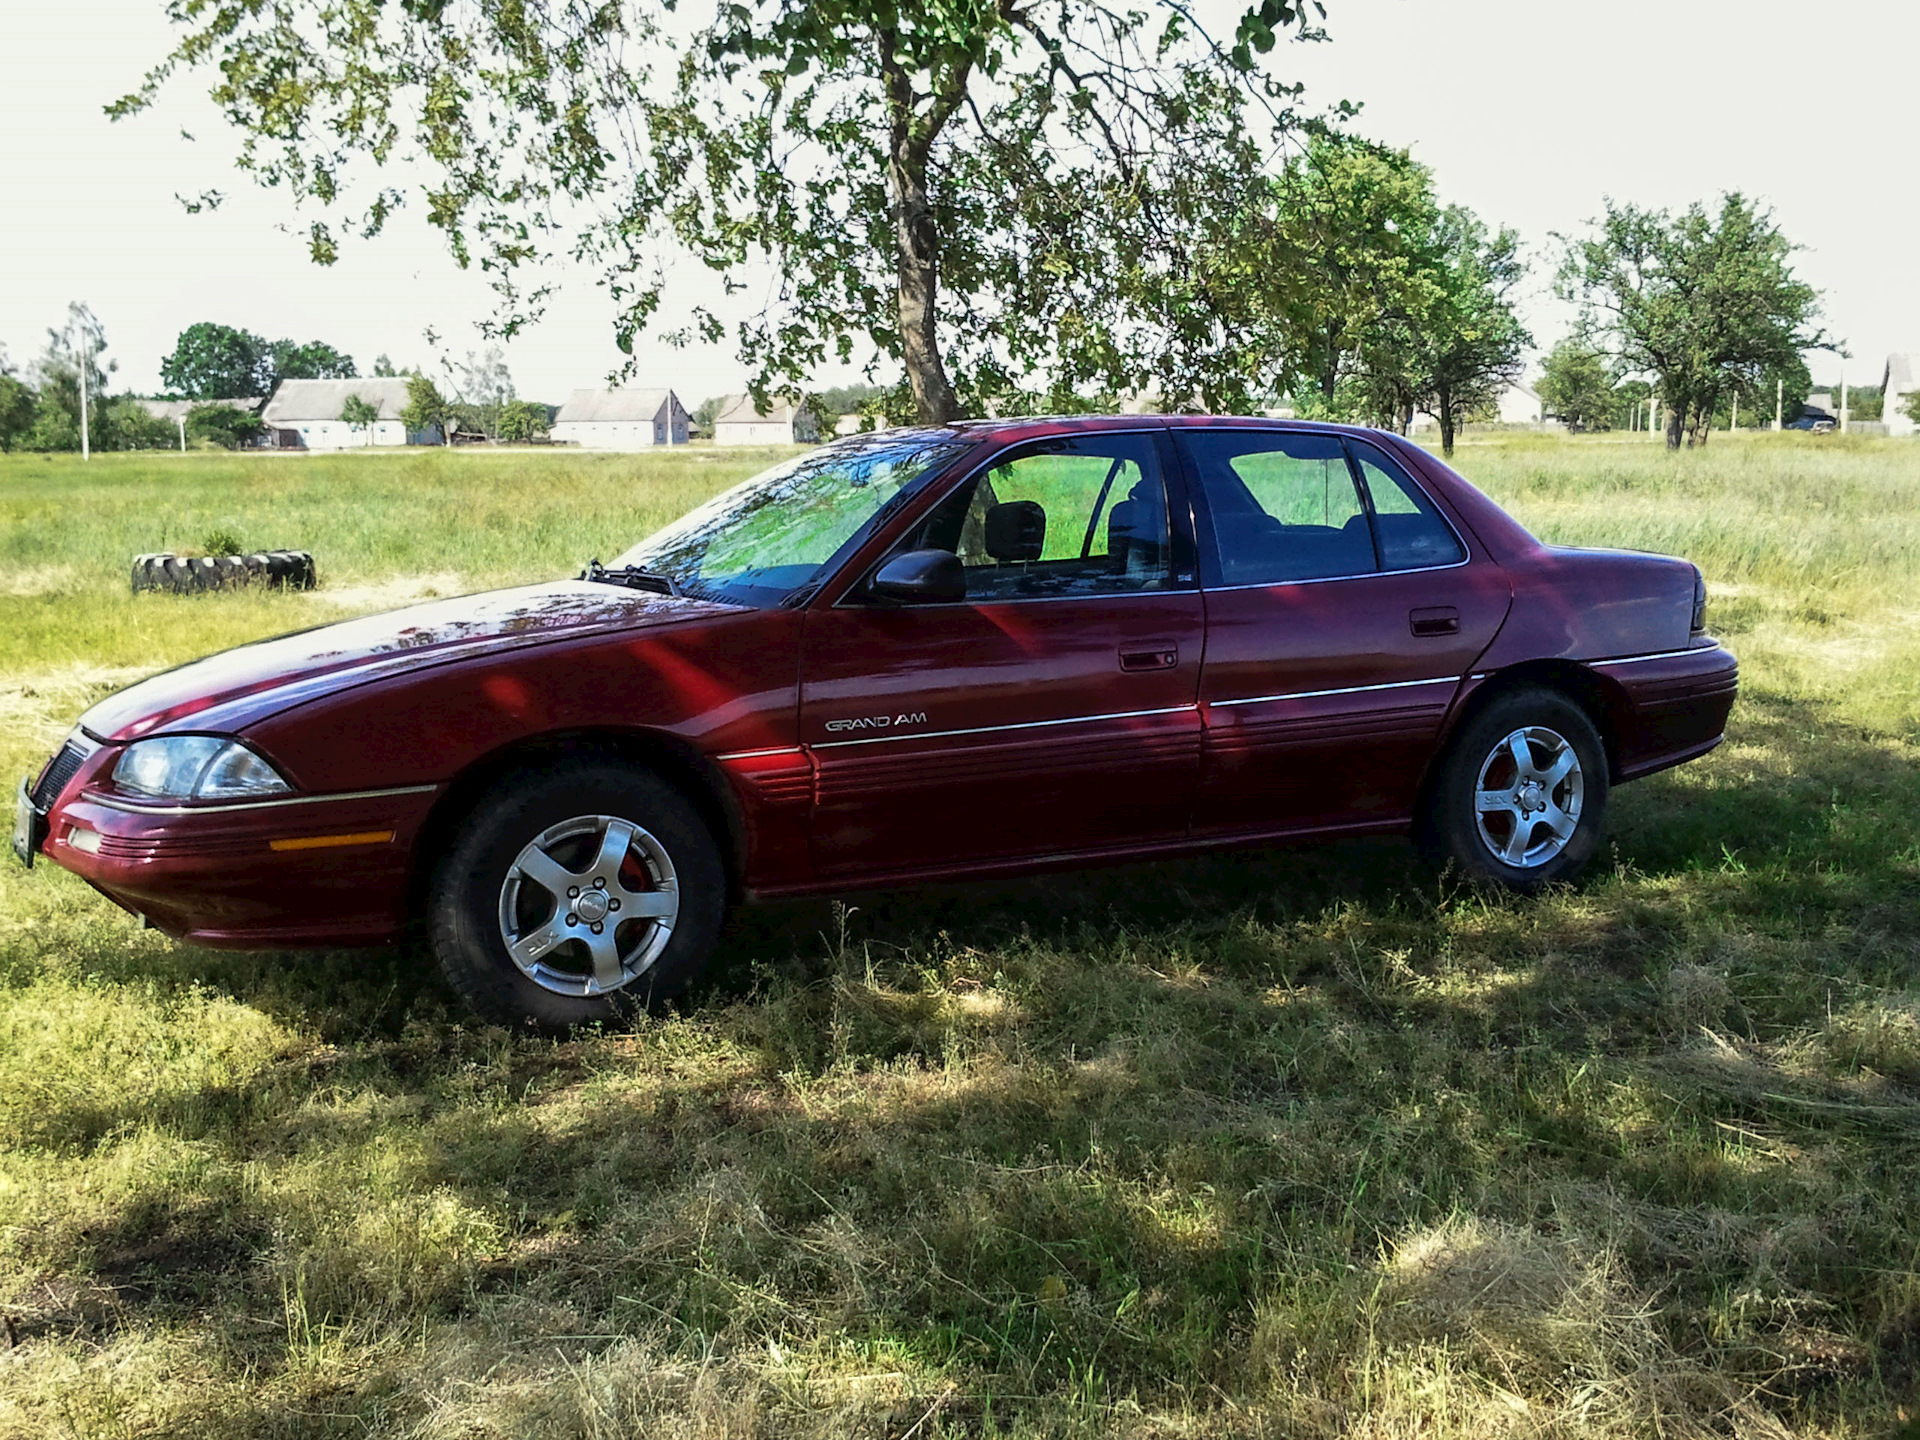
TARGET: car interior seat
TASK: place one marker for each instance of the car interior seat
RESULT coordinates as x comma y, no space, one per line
1015,531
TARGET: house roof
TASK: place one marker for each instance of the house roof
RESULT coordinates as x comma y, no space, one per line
180,409
310,400
1901,376
739,410
612,406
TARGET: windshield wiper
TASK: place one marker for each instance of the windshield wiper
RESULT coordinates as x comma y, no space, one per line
631,576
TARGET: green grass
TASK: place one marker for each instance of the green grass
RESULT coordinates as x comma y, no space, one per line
1286,1143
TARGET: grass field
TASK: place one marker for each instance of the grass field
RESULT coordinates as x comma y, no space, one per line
1289,1143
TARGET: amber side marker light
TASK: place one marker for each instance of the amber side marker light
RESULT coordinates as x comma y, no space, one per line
331,842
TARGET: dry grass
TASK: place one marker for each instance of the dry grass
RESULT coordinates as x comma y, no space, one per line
1290,1144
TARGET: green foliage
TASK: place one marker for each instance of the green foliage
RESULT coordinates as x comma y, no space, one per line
1577,386
315,360
1707,304
1910,405
224,426
18,402
426,407
523,420
361,414
126,424
999,198
216,362
221,542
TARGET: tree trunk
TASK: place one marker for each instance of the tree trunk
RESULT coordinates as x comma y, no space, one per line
1444,412
1676,422
917,267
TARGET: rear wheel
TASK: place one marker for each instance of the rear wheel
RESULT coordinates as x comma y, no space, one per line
1521,798
578,894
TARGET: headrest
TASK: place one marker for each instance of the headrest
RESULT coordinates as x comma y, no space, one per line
1016,530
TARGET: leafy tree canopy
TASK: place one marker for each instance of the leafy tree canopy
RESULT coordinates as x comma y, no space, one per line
997,196
1706,303
1577,386
218,362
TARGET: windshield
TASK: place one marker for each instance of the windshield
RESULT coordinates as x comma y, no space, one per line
760,541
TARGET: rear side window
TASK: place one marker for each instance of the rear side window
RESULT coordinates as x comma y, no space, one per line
1282,507
1413,536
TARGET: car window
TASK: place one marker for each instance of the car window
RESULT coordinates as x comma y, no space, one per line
785,528
1412,534
1281,507
1084,515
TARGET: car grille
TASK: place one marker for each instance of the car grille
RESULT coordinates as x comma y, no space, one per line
59,771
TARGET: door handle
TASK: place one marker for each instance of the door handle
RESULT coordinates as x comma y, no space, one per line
1160,657
1434,620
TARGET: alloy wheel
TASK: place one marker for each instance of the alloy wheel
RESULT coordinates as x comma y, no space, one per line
1527,797
588,905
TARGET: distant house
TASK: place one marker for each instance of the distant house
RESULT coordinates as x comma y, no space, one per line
305,415
1900,379
621,420
1519,404
738,422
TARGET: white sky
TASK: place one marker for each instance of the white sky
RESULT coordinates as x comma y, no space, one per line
1528,112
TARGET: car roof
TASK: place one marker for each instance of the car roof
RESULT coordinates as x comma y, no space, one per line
1024,427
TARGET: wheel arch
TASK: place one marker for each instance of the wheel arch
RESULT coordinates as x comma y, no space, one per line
1603,698
667,756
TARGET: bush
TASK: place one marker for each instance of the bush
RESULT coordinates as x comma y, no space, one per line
224,426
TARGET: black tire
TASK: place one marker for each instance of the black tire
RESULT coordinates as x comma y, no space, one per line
1453,832
469,890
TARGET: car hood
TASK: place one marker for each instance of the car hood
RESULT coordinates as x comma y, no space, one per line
271,675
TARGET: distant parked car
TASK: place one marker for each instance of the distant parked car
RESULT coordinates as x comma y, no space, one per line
984,648
1814,419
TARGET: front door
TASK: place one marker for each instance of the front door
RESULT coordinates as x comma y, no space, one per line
1343,610
1051,712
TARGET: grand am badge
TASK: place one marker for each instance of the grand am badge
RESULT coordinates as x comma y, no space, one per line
877,722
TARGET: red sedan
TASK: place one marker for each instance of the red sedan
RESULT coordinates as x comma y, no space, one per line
923,654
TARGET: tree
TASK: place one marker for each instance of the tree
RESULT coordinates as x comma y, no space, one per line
17,403
426,407
1576,387
1352,261
127,424
215,362
225,426
73,352
523,420
976,190
360,414
1910,405
315,360
484,388
1707,305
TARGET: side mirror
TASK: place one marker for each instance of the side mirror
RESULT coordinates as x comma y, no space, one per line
921,577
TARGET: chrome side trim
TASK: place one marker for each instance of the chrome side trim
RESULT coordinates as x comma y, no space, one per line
756,754
1662,655
113,802
1345,690
994,729
1338,579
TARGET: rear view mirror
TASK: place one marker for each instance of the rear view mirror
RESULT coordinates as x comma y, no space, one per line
922,577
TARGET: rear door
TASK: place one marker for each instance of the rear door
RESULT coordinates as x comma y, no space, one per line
1343,611
1051,712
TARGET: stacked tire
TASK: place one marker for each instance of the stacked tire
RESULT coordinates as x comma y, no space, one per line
193,574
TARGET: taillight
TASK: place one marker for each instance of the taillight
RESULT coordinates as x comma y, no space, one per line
1699,602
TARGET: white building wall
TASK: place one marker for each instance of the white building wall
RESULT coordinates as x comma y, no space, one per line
615,434
338,435
753,432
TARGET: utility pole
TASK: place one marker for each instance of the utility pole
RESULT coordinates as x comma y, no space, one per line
181,420
1733,424
1779,389
1843,402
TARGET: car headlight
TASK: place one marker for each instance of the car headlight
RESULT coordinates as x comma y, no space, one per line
196,767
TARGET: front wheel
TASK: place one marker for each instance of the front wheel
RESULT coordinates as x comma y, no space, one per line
577,894
1521,797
